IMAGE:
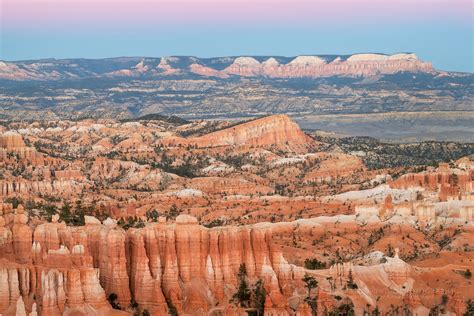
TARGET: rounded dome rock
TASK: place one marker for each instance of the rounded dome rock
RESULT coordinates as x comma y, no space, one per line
186,219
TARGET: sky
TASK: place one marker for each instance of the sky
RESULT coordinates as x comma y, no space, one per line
440,31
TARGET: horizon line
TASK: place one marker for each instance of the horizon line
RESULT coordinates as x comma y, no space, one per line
230,56
201,57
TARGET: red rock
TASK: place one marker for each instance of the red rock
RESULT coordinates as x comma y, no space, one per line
275,130
113,264
11,140
22,237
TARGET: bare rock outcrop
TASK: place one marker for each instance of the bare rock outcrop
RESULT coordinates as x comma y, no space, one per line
224,67
182,262
449,183
11,140
275,130
72,270
315,66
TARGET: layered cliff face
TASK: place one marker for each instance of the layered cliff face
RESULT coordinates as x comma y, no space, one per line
12,144
61,270
450,184
186,213
314,66
41,173
277,131
11,140
183,264
127,169
235,87
224,67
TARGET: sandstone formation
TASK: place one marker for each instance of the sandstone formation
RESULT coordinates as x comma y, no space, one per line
11,140
75,268
448,183
274,130
108,218
12,144
314,66
274,67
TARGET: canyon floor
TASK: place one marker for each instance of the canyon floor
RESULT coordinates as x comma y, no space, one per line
160,215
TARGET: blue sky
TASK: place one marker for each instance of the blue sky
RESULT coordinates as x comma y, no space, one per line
447,41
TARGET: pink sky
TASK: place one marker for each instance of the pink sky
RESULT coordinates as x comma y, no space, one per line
20,13
437,30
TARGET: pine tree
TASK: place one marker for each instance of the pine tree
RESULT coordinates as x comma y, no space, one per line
113,301
311,283
242,296
469,308
172,311
65,213
260,294
350,282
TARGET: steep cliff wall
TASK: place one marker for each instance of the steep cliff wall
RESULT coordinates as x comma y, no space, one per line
55,269
449,184
75,268
275,130
224,67
314,66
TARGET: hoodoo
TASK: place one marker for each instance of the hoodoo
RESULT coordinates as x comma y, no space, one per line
113,218
11,140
